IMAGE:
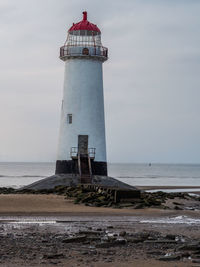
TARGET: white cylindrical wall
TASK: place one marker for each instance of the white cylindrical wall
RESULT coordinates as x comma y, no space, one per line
83,98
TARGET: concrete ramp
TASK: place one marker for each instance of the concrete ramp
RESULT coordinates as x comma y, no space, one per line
73,180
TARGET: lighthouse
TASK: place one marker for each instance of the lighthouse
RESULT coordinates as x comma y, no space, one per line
82,144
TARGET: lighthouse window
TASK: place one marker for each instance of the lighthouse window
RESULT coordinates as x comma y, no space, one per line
69,118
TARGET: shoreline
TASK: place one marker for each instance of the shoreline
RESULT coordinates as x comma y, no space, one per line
152,187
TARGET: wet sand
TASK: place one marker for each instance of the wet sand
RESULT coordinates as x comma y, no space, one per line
40,240
165,187
188,189
25,242
126,263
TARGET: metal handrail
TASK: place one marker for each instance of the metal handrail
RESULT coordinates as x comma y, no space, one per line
99,51
91,152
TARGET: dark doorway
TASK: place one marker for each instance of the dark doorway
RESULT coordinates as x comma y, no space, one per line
83,144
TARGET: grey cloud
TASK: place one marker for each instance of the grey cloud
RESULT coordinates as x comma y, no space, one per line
151,80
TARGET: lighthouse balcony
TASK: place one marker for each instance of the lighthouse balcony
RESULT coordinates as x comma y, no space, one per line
74,152
96,52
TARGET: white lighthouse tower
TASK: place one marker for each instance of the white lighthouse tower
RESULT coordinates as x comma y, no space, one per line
82,146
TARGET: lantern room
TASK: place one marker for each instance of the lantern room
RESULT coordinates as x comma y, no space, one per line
84,41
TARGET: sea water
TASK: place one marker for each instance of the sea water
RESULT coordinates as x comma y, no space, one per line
19,174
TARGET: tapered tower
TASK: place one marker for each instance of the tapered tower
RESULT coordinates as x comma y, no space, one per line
82,145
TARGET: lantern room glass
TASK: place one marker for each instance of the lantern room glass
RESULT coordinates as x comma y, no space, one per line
83,43
84,38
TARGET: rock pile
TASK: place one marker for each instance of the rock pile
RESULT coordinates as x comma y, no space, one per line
106,197
102,198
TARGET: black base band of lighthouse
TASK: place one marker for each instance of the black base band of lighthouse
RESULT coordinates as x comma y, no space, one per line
71,167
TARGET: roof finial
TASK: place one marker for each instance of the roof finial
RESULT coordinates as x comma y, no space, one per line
84,15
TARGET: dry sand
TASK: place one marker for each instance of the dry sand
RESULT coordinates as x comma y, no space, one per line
28,204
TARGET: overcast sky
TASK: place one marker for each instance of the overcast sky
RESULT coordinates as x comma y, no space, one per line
151,80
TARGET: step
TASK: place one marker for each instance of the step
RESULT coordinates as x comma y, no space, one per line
86,179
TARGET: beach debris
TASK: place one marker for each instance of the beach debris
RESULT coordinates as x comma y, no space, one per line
170,258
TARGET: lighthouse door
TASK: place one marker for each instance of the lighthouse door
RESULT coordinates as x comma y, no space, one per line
84,163
83,144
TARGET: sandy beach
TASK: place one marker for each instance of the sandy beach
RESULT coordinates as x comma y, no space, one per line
44,230
44,205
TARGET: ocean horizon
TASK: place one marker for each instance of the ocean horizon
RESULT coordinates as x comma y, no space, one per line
18,174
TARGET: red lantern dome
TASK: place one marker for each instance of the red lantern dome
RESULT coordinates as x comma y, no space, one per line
84,25
84,41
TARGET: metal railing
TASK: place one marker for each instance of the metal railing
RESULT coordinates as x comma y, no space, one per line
74,152
71,51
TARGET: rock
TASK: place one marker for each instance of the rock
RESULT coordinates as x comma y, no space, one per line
122,233
104,245
195,256
177,203
120,242
144,235
7,190
109,260
159,241
53,256
101,198
170,236
139,206
195,261
90,232
84,253
111,243
170,258
171,196
75,239
135,240
93,238
111,238
125,205
157,253
190,247
177,208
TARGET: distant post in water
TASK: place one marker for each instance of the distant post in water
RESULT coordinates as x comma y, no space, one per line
82,145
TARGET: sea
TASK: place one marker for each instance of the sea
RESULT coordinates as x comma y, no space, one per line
18,174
